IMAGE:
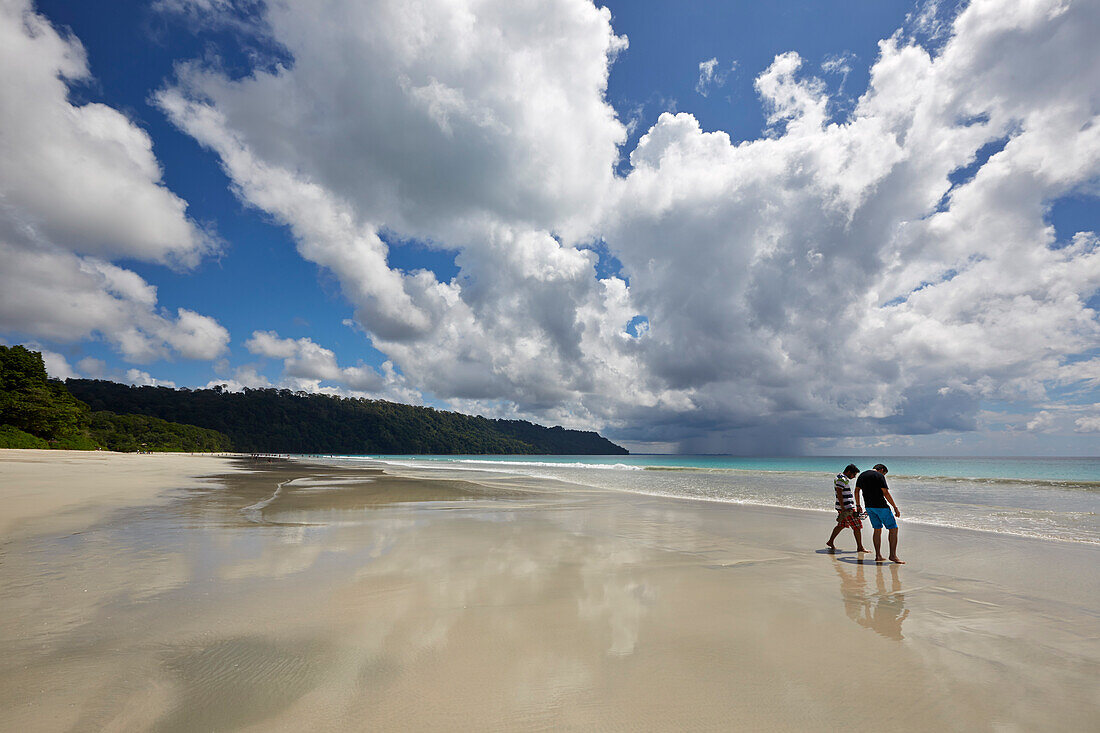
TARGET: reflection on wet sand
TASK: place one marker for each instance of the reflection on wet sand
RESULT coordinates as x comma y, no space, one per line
293,576
882,611
298,596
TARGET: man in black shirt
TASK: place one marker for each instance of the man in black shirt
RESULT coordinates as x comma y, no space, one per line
872,485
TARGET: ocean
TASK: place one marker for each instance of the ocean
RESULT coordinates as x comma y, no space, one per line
1047,498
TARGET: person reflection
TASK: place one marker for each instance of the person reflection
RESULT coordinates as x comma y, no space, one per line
884,611
853,589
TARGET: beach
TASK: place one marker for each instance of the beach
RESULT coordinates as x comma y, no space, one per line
188,593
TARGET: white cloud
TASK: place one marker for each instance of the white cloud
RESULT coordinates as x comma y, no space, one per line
195,6
1090,424
80,186
711,76
825,279
799,102
306,365
1042,421
196,336
839,64
57,366
243,377
268,343
110,204
929,20
92,367
491,110
139,378
65,297
910,315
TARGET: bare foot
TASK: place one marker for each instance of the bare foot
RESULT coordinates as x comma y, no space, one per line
830,545
862,549
880,558
899,562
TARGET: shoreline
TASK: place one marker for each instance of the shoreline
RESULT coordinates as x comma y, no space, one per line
285,595
1039,557
637,461
1088,535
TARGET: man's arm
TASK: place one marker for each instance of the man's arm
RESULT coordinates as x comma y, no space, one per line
890,499
855,495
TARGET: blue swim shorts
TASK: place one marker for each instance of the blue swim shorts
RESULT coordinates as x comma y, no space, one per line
881,517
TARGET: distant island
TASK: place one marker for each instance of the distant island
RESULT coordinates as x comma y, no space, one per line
38,412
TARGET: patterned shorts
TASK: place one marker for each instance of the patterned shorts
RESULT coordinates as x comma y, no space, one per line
851,520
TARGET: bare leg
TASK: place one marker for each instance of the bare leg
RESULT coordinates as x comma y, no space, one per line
894,546
876,538
832,537
859,540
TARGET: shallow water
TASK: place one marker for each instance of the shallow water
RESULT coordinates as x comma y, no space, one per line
1078,469
1045,498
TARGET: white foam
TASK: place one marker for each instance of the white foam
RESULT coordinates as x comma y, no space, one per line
552,464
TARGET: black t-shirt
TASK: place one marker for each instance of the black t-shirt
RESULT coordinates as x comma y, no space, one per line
871,483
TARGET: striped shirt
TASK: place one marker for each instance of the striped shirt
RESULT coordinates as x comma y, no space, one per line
845,485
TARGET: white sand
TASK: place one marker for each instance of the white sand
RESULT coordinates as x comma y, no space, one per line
59,491
450,607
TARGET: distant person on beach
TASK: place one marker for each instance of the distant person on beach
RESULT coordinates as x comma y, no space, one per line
876,494
847,511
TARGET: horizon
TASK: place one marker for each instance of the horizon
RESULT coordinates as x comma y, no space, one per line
778,230
852,456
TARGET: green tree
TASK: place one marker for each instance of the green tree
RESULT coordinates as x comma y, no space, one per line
33,403
37,412
271,420
13,437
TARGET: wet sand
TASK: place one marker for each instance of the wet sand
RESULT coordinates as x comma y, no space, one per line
284,596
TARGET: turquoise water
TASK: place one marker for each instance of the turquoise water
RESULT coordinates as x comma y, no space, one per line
1050,469
1047,498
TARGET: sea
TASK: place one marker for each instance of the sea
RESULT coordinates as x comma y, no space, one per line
1047,498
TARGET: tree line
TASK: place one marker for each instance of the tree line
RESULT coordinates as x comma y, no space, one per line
39,412
282,421
85,414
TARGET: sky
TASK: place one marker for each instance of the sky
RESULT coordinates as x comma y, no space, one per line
750,228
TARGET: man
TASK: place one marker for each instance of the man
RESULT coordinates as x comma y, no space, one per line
846,514
876,494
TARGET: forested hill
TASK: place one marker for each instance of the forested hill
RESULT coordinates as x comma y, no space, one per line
38,412
281,421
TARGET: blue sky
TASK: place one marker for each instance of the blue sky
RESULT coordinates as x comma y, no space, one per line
718,227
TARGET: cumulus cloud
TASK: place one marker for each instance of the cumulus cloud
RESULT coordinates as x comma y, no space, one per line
1042,421
828,278
61,296
80,186
57,366
1089,424
92,367
139,378
926,297
307,366
195,336
244,377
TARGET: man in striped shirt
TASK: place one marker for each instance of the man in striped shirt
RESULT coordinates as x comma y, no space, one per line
847,513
